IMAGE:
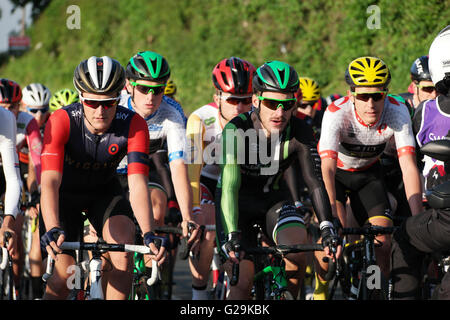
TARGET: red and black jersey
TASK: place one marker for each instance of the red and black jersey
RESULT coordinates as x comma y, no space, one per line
89,161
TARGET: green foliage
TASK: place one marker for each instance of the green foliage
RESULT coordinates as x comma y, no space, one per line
318,37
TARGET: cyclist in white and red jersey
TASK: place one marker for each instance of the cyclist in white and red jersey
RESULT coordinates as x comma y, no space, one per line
355,131
29,147
232,79
10,93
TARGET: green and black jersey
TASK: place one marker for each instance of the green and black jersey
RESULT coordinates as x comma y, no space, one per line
253,165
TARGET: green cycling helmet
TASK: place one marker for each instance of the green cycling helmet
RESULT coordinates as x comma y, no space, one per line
276,76
148,65
63,98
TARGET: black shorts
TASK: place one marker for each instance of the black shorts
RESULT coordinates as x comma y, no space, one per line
367,192
97,207
208,189
272,212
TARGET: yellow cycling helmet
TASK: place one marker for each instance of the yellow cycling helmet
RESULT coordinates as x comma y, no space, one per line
63,98
367,72
310,89
170,89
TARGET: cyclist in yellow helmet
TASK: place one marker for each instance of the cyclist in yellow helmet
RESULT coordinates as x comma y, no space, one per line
310,103
356,130
170,90
63,98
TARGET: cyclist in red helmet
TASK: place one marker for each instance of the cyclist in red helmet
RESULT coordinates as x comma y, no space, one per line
232,78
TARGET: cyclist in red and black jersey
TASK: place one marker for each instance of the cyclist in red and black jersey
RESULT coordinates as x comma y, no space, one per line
83,145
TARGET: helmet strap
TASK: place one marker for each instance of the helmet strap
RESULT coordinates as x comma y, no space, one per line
220,107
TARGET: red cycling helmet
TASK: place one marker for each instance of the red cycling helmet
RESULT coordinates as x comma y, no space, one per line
10,91
233,75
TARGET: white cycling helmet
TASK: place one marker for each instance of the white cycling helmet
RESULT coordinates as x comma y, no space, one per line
35,95
439,56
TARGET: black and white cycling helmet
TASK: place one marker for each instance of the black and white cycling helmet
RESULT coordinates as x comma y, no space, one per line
439,60
99,76
36,95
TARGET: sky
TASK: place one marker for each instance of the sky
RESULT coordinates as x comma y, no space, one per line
9,22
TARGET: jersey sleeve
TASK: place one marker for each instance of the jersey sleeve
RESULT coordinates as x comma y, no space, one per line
56,135
34,142
138,146
10,164
230,179
176,138
310,165
195,131
403,134
330,133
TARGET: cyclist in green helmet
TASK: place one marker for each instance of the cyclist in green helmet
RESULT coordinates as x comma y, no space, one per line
63,98
147,74
249,190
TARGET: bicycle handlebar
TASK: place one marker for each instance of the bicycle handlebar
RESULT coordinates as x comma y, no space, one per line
282,250
369,230
94,246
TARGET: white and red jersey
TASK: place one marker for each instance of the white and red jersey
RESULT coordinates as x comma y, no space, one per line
29,141
10,161
357,146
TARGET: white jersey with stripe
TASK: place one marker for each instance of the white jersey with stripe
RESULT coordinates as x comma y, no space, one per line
10,162
167,129
357,146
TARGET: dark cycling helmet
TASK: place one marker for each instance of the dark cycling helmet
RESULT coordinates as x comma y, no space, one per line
419,69
148,65
367,72
276,76
233,75
99,75
10,91
63,98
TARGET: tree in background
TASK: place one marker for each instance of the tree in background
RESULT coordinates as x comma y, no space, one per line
38,6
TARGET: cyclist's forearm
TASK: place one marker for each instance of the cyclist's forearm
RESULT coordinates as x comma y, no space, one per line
140,201
413,186
182,187
32,182
194,172
229,210
51,181
8,222
329,173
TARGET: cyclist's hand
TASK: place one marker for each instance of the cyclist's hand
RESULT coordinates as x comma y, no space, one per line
52,240
158,246
331,242
33,212
7,235
191,231
232,247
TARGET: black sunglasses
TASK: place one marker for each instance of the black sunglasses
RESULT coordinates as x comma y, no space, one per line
274,104
376,96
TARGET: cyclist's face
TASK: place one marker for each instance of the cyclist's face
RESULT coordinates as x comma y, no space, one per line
98,119
40,113
369,111
306,107
232,105
13,107
145,104
274,120
425,90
